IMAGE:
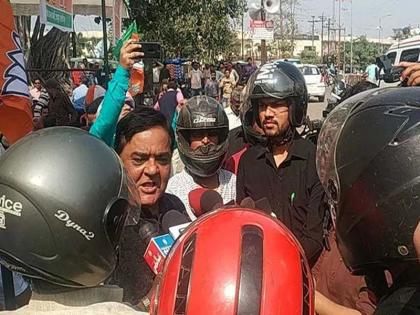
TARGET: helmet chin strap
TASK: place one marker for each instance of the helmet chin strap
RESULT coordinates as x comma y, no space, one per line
283,139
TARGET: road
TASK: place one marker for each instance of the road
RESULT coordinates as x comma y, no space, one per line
315,109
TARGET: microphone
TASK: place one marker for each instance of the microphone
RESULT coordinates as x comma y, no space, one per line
194,197
204,200
173,218
156,252
210,200
174,223
264,205
159,245
148,230
248,202
261,204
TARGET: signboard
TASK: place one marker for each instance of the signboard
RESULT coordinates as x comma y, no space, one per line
116,20
58,13
262,30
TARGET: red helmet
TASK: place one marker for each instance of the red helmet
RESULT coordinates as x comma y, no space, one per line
235,261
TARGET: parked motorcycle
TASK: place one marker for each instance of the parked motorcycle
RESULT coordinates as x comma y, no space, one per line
338,91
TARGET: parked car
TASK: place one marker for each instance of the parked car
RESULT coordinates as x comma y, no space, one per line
314,81
290,60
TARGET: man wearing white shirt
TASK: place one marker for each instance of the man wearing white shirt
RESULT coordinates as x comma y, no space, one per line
232,111
202,134
196,75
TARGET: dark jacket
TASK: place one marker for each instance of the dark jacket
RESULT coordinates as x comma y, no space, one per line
293,190
132,273
61,110
164,74
168,103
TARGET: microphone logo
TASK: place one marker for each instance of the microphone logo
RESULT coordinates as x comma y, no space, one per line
156,252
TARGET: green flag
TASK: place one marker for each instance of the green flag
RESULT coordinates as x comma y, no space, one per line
127,35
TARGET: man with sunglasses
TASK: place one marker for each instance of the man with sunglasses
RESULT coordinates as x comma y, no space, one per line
36,90
202,133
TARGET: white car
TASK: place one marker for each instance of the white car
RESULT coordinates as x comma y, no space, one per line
293,61
314,81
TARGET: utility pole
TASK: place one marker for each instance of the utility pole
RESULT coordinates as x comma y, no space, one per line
344,53
281,29
242,41
351,36
263,42
105,42
322,21
322,17
313,29
329,36
333,23
339,35
339,29
380,49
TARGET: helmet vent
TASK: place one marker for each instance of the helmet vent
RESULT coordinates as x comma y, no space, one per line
184,277
250,285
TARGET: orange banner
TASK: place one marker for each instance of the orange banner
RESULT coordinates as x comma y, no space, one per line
15,104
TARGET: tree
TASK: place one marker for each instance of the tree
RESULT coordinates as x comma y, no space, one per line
309,55
285,27
23,26
49,51
193,28
364,53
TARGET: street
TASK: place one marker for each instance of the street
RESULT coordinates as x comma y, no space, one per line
315,108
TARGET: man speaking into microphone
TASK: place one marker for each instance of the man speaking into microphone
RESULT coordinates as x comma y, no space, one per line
144,141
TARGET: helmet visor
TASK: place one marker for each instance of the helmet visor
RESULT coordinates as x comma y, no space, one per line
122,211
271,83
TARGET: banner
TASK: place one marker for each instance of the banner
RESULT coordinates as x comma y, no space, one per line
15,105
262,30
58,13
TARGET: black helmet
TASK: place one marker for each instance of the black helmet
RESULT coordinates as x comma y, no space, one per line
368,162
64,197
281,80
202,113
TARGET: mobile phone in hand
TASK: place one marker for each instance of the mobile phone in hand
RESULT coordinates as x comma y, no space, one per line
151,50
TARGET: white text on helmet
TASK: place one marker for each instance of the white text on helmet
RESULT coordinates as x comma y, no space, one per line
8,206
65,217
201,119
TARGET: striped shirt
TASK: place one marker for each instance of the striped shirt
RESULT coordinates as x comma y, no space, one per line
42,103
181,184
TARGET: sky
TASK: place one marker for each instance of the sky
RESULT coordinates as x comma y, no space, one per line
366,14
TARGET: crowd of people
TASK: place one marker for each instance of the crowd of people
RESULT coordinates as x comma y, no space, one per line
299,229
